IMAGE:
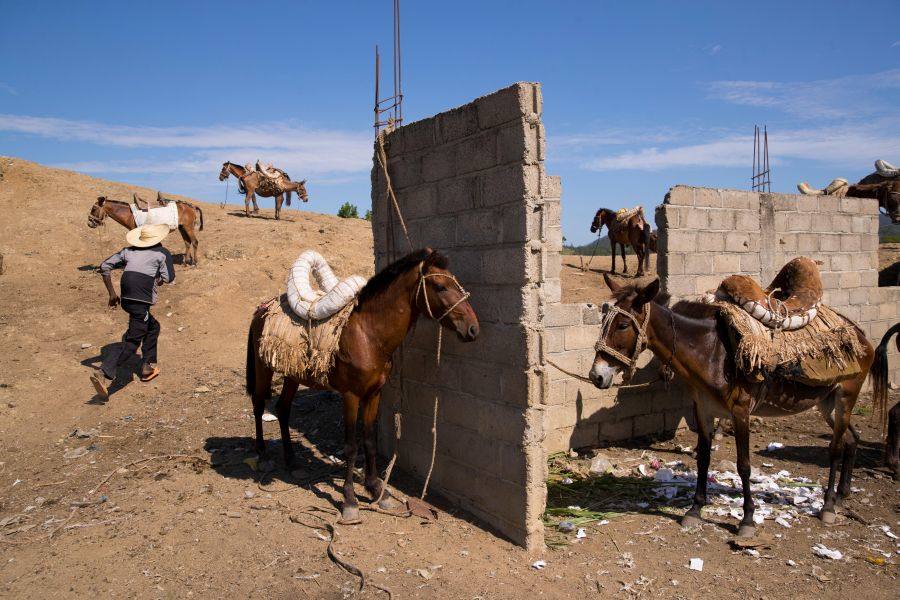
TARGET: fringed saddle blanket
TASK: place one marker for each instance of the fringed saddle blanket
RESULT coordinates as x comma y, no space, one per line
300,348
822,353
623,215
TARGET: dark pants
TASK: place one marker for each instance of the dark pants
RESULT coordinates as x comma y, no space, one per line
143,332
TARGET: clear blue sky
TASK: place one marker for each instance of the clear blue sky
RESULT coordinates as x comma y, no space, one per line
638,96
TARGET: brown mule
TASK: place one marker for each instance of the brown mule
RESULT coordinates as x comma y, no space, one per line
190,220
250,184
635,233
880,392
388,307
687,338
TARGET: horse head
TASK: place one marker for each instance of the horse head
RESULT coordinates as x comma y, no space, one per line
623,331
600,219
301,191
97,213
440,296
223,174
889,199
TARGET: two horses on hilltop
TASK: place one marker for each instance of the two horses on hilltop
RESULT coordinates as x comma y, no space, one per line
252,183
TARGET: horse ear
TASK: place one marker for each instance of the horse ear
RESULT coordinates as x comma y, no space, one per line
647,293
101,200
302,181
611,283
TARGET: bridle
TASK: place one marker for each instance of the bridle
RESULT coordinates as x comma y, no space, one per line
95,220
640,344
420,288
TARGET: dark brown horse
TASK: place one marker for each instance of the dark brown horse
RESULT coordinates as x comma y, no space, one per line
635,233
874,185
249,182
190,220
389,305
687,338
880,399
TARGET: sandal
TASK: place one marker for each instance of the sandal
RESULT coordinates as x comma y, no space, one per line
153,374
100,386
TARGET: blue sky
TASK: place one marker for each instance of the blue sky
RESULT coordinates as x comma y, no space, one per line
638,96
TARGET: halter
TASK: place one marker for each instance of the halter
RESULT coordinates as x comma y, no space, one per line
640,344
96,220
421,288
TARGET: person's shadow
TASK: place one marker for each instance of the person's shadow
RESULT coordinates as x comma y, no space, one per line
124,376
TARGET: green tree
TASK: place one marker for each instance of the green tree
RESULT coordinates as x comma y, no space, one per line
348,211
368,216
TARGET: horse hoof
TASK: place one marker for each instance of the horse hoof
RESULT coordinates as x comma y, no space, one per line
828,517
265,465
350,516
691,521
389,503
746,531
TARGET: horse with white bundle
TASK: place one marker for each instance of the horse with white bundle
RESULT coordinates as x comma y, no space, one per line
342,337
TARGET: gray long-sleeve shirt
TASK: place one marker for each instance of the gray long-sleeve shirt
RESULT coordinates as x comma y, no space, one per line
143,266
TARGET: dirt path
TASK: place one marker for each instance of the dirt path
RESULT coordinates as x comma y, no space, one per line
201,522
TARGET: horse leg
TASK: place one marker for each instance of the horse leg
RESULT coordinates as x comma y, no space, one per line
279,198
255,207
285,400
350,510
624,260
613,248
741,422
692,517
259,380
639,251
892,444
851,439
835,450
186,238
247,204
374,484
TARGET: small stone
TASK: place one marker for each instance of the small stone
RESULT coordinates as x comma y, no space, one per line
249,494
202,389
726,465
566,526
85,346
232,514
180,329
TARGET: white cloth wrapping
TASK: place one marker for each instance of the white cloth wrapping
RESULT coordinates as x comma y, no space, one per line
167,215
332,296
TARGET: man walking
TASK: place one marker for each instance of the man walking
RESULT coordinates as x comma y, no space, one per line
147,265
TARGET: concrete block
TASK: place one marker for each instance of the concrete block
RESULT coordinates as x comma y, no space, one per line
727,263
551,186
737,241
439,164
784,202
850,243
674,264
698,264
517,143
821,223
477,153
709,197
508,183
869,243
696,219
647,424
611,431
829,242
828,204
851,205
747,220
722,220
830,280
681,241
680,195
457,123
710,241
454,195
562,315
841,262
807,243
749,263
836,297
740,200
800,221
807,203
581,337
705,283
481,228
505,265
849,279
788,242
590,314
841,223
505,105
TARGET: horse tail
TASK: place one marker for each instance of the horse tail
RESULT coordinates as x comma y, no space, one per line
200,212
646,236
287,195
879,373
251,361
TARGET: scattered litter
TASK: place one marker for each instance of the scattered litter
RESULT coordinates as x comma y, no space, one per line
202,389
887,531
566,526
269,417
791,563
665,475
539,564
783,522
626,561
128,418
85,346
181,329
16,482
751,552
80,433
876,560
568,481
768,465
424,573
686,449
76,452
824,552
774,446
603,522
600,464
249,494
580,534
696,564
643,470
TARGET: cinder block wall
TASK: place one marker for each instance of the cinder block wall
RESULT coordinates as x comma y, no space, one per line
468,182
706,234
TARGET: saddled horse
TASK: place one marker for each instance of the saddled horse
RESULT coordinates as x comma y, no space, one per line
249,182
880,398
687,338
635,232
388,307
190,220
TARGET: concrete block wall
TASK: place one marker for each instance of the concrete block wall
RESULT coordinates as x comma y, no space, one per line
707,234
469,183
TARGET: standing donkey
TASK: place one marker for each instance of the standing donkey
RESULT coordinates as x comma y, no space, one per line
251,184
633,231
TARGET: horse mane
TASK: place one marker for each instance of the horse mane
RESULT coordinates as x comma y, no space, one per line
384,278
691,309
105,200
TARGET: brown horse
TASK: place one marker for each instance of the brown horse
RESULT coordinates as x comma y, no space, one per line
876,186
635,233
388,307
687,338
880,399
190,218
249,182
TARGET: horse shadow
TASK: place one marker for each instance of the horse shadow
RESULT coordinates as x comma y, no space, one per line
89,268
125,375
868,455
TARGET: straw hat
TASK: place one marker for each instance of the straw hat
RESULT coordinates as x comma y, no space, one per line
147,235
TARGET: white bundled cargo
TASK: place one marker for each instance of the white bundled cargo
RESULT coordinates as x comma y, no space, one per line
332,296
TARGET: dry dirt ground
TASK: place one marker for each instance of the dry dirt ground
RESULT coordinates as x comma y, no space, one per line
153,494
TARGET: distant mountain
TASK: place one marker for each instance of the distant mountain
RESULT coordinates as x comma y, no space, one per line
599,247
887,231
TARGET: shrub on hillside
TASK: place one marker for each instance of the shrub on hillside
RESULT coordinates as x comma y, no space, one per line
348,211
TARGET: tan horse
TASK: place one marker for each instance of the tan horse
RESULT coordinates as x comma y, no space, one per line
190,220
389,305
634,233
249,182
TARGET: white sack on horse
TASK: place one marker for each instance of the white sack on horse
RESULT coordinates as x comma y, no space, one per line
332,296
886,169
165,215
